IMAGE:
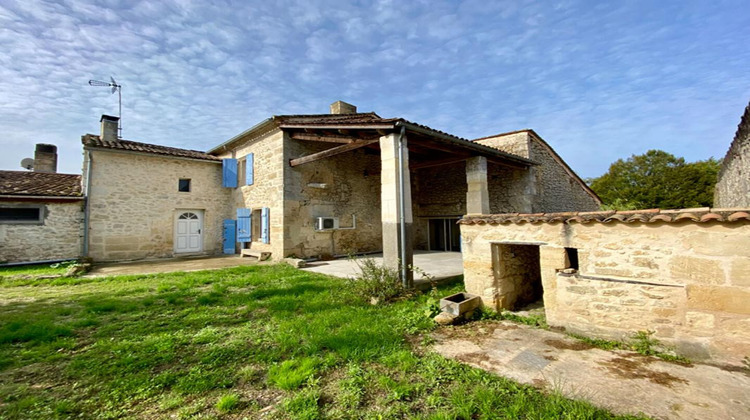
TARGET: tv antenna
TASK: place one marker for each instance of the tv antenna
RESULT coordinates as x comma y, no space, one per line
115,88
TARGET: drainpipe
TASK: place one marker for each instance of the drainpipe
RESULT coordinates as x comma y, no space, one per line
87,206
402,207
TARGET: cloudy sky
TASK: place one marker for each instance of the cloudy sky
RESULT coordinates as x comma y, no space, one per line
598,80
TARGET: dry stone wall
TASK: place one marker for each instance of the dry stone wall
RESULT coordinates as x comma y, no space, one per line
59,237
134,199
688,282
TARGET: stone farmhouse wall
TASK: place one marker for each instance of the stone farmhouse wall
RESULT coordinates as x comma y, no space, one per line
341,186
58,237
687,281
134,199
266,191
550,186
733,186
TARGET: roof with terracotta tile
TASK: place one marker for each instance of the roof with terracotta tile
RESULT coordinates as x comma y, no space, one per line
699,215
313,119
91,140
39,184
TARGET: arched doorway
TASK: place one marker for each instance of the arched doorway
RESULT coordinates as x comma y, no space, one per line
188,236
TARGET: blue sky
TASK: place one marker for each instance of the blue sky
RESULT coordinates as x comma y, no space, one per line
598,80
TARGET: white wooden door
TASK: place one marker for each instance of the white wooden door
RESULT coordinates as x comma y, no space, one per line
188,232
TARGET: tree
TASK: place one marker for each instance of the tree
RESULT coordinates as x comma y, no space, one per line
657,179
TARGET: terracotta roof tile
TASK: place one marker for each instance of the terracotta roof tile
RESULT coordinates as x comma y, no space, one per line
22,183
91,140
696,215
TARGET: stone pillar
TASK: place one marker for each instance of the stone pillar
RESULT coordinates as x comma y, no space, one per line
477,193
390,203
551,259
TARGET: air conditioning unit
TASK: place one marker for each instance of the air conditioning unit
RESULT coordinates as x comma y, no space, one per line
326,223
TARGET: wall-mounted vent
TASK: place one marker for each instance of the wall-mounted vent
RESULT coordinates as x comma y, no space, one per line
326,223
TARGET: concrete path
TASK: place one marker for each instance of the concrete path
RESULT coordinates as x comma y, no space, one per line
439,265
170,264
621,381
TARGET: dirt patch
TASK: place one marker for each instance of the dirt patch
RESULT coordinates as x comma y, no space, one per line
474,358
635,368
567,345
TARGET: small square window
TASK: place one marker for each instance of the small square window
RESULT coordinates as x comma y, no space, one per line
184,185
22,215
571,258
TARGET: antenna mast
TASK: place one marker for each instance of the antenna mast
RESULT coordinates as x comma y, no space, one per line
115,88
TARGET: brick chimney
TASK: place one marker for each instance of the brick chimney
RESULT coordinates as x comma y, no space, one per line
341,107
110,125
45,158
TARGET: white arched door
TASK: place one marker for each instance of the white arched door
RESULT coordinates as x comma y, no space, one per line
188,231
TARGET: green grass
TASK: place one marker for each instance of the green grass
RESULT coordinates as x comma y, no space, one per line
237,343
34,270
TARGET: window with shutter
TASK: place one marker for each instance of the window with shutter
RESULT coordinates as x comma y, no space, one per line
249,169
229,174
244,225
265,231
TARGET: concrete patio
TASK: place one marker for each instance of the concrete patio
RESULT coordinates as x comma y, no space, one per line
440,266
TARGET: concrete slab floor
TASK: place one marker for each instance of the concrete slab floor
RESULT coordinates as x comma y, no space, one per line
170,264
439,265
621,381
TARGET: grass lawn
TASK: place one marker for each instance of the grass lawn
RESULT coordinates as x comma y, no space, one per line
34,270
246,342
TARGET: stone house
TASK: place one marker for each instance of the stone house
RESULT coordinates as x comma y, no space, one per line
684,274
40,211
312,186
733,186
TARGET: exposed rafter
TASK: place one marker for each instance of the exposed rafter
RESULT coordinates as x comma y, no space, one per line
331,152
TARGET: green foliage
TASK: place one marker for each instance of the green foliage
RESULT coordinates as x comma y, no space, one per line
376,281
291,374
304,405
657,179
38,330
227,403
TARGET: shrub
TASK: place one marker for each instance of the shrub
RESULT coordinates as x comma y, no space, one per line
377,281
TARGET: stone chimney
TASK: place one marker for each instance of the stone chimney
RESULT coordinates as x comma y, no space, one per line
45,158
341,107
110,125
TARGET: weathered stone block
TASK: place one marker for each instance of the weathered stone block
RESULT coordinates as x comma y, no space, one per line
718,298
696,270
581,290
740,273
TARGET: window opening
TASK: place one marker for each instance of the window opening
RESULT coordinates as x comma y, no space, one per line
20,214
571,258
188,216
183,185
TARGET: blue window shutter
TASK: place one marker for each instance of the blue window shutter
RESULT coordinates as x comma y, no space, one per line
229,236
249,168
244,225
229,174
264,228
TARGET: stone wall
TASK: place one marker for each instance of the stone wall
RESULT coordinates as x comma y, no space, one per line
688,282
733,186
267,189
134,200
551,186
59,237
352,188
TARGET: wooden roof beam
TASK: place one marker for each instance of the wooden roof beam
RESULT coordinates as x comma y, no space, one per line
330,152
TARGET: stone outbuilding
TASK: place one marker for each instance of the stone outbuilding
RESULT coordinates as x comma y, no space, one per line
683,274
40,211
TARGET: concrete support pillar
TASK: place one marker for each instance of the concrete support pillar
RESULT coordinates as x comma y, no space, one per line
390,199
477,194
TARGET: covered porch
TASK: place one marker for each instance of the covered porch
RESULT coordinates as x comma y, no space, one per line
427,179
